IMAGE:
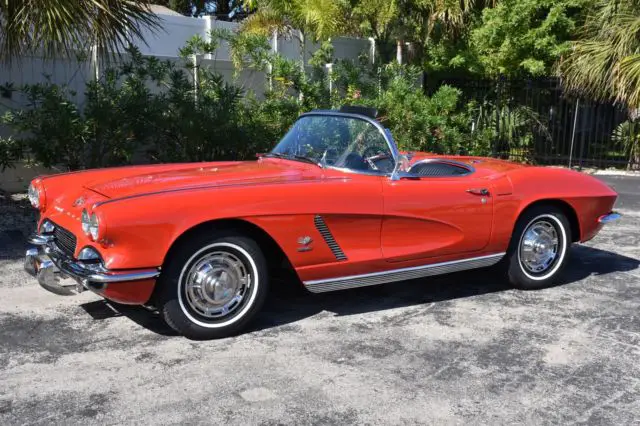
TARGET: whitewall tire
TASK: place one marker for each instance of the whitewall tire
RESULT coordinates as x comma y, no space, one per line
213,286
539,247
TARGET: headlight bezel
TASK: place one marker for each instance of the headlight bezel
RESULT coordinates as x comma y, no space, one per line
36,195
94,227
84,220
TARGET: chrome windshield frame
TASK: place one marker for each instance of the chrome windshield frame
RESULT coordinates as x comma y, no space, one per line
386,134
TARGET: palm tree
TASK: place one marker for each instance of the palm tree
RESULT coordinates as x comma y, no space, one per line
60,27
407,20
605,62
320,18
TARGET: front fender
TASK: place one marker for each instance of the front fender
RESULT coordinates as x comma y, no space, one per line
140,230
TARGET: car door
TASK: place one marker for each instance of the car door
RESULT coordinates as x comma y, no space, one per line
430,217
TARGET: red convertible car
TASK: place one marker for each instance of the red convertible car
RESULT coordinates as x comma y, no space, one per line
335,202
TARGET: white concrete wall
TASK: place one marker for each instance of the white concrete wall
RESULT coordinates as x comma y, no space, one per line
175,32
165,44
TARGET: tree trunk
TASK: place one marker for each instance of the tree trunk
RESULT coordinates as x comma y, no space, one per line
399,44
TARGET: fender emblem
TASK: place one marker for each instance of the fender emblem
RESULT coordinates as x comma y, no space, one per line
78,202
305,243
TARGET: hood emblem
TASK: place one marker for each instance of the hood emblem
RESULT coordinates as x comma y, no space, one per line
78,202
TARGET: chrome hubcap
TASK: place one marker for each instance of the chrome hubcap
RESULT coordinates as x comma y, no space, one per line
539,247
216,284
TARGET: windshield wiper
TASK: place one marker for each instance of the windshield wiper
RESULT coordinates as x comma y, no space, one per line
306,159
294,157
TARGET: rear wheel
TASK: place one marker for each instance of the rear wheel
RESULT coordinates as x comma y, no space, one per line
539,248
213,286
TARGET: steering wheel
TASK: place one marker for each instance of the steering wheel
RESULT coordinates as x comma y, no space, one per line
371,155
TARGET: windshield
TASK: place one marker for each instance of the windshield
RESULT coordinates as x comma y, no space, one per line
336,141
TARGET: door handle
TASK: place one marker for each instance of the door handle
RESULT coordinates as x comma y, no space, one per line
478,191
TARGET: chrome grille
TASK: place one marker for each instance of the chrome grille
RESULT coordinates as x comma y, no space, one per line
64,239
322,227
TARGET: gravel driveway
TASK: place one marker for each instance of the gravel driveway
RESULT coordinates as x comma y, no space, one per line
457,349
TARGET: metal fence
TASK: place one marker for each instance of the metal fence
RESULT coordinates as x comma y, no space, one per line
547,126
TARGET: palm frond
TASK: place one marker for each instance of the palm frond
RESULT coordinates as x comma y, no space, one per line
264,22
630,79
57,27
451,13
604,63
322,17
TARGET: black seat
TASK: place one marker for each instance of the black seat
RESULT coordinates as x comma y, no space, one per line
437,169
355,162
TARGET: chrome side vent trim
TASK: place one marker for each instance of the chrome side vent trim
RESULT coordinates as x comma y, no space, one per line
323,229
353,281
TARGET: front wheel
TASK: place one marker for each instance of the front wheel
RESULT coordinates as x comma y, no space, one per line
539,248
213,286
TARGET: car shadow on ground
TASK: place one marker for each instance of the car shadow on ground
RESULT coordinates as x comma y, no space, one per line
290,303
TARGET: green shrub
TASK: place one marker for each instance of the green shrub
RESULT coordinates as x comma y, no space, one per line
147,110
54,129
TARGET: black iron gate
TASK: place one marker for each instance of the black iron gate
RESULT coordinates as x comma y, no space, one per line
549,127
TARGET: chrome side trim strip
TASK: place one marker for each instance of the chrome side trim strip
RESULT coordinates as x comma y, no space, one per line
206,187
354,281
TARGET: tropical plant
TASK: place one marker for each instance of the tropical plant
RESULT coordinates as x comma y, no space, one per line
511,127
63,26
605,62
55,131
392,23
419,122
320,19
627,134
11,151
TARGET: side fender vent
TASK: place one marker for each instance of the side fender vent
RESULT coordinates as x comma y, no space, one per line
323,229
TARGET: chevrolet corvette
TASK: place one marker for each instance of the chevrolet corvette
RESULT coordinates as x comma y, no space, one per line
335,203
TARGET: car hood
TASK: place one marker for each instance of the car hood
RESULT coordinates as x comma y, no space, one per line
197,175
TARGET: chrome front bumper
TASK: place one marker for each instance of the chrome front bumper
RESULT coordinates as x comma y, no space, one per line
608,218
61,274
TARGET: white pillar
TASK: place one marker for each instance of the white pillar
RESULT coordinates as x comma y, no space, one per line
95,66
372,50
209,24
329,67
274,50
195,78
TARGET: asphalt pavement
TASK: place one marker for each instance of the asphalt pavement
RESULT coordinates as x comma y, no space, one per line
463,348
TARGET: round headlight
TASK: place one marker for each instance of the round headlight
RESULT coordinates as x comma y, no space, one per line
85,221
34,196
94,227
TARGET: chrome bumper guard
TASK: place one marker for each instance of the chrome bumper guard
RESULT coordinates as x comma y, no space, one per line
608,218
63,275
